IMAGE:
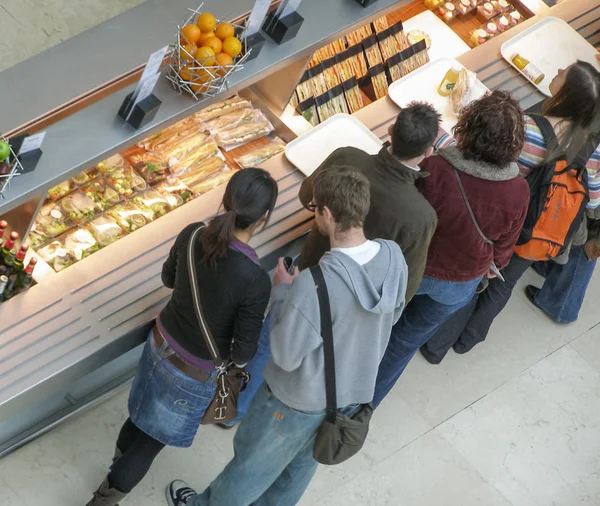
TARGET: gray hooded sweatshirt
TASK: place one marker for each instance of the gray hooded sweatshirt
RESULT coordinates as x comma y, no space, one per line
365,302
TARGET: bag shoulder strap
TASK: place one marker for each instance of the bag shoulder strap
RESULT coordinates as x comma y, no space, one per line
546,129
469,208
327,335
550,139
204,328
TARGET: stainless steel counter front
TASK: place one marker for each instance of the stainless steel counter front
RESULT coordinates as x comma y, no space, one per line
75,321
80,141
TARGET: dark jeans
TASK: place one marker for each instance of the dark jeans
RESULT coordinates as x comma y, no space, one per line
471,324
562,294
139,451
434,302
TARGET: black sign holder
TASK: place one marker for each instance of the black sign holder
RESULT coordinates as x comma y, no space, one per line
283,29
143,112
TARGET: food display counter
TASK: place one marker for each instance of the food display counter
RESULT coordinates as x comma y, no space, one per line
59,340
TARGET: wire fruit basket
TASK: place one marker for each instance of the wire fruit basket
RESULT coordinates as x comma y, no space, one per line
14,167
193,69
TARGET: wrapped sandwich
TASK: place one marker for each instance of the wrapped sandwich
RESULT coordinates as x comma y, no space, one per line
213,182
171,136
179,151
461,94
203,171
197,156
221,108
246,132
257,156
230,120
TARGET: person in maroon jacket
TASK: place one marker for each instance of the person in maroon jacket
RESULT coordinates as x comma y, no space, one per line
476,191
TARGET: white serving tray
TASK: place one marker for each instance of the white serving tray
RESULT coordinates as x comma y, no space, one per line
444,41
422,85
550,45
308,151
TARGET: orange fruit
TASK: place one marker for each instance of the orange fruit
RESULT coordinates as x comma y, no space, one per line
223,60
206,22
188,52
200,82
232,46
224,31
190,33
199,88
185,73
215,44
205,56
205,36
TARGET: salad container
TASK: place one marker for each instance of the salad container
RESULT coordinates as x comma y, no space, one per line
105,230
80,243
37,236
110,164
150,166
101,193
129,217
60,190
152,202
84,177
175,192
126,181
80,207
57,256
53,221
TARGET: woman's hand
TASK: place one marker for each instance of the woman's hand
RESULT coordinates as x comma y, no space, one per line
282,276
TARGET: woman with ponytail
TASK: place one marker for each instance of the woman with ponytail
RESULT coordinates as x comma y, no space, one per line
175,379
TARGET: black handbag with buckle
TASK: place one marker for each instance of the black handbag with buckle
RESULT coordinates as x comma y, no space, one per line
230,380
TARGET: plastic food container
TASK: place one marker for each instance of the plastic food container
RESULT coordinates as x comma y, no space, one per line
105,230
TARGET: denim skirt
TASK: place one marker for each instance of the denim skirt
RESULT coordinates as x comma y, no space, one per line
164,402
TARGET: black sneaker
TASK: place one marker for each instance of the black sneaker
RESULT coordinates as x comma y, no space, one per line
179,493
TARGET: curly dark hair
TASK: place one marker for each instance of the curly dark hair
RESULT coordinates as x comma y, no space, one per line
491,129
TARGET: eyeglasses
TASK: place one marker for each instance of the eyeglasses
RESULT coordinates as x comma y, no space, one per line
312,207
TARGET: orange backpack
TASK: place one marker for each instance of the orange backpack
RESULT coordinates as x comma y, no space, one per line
559,196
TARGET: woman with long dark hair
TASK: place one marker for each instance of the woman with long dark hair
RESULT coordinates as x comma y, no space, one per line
574,105
175,379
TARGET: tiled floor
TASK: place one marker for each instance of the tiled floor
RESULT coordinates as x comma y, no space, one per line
28,27
515,422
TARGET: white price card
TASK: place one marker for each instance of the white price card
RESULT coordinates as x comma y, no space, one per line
32,143
291,6
145,90
258,14
152,67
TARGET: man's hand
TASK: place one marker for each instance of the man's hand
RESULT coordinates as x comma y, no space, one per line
282,276
491,275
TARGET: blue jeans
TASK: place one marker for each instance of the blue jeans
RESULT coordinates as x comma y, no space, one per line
434,302
273,463
164,402
562,294
255,367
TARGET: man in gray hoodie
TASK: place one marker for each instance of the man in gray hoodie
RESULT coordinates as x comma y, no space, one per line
366,281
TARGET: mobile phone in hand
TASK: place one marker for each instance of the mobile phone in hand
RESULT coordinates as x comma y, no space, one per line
289,264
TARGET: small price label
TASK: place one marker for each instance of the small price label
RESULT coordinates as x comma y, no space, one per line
32,143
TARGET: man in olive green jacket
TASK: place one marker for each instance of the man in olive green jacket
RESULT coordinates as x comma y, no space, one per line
398,211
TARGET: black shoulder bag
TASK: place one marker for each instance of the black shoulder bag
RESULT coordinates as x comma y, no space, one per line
340,436
231,380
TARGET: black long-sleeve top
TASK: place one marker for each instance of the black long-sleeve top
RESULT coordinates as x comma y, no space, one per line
234,298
